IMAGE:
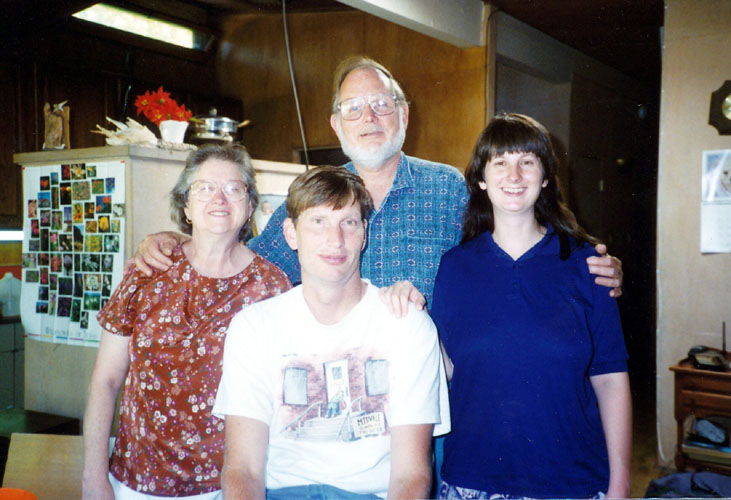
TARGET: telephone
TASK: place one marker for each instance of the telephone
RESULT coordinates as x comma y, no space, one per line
707,358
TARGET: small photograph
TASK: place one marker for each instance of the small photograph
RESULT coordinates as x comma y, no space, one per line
65,172
80,191
54,197
109,183
44,239
34,228
90,171
106,285
56,262
75,310
32,276
45,218
45,183
103,223
56,220
67,214
63,307
32,209
78,285
44,200
43,259
104,204
111,243
77,210
52,304
54,178
92,282
42,293
30,260
78,238
53,242
104,302
116,226
93,243
78,171
53,281
97,186
107,263
84,321
64,193
90,263
42,307
65,286
65,242
89,210
92,301
90,227
44,276
118,209
68,264
34,245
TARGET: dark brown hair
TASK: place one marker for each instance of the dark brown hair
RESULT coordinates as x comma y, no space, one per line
516,133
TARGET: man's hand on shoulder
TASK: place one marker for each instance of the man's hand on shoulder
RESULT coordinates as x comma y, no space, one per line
154,251
608,270
397,298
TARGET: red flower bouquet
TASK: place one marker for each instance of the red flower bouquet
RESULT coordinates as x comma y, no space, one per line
158,106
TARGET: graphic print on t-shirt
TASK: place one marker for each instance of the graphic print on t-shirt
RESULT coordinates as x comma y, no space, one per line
341,397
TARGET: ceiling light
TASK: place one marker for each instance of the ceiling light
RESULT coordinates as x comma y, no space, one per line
143,25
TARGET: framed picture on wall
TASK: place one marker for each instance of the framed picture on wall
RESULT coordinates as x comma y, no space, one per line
272,181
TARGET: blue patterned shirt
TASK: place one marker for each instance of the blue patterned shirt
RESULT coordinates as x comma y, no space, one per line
418,221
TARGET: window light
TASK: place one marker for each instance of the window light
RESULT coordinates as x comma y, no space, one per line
143,25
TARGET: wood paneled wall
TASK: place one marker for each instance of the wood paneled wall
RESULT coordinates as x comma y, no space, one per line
445,84
100,74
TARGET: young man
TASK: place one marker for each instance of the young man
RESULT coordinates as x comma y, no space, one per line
324,390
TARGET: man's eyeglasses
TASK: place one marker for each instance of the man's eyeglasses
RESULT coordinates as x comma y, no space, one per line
381,104
206,190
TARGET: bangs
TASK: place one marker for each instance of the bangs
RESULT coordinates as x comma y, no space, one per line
512,136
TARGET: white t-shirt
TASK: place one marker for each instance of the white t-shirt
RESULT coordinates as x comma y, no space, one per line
331,393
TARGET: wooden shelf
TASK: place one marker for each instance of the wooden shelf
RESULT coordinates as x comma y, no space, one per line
701,393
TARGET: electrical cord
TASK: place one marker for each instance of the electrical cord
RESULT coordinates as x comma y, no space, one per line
294,85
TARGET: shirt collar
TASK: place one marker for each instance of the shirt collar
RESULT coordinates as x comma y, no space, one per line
546,246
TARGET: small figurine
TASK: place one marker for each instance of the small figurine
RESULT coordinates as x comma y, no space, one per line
57,123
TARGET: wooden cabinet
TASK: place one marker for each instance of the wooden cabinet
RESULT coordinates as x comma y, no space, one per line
12,345
701,393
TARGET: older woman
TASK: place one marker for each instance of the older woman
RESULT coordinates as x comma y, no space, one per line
163,337
540,395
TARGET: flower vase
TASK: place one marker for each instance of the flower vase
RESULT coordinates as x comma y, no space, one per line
173,131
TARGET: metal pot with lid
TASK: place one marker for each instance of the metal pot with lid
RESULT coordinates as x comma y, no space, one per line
214,128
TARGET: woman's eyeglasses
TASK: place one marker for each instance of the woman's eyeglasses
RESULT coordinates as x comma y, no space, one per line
206,190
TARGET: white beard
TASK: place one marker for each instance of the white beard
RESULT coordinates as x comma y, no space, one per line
374,156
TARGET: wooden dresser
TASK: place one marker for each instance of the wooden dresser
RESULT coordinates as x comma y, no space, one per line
701,393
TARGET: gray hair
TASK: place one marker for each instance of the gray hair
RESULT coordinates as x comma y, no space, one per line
232,153
353,63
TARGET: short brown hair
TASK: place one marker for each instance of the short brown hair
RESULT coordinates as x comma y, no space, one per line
327,185
352,63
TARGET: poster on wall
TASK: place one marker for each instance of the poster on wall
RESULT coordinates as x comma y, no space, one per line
73,244
716,202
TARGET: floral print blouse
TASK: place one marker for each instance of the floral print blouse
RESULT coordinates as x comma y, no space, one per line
169,443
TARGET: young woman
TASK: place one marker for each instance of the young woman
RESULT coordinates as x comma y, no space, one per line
540,395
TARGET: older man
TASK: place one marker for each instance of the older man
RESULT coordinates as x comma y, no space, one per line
418,204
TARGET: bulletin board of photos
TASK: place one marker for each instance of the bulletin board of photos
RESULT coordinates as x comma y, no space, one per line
73,248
